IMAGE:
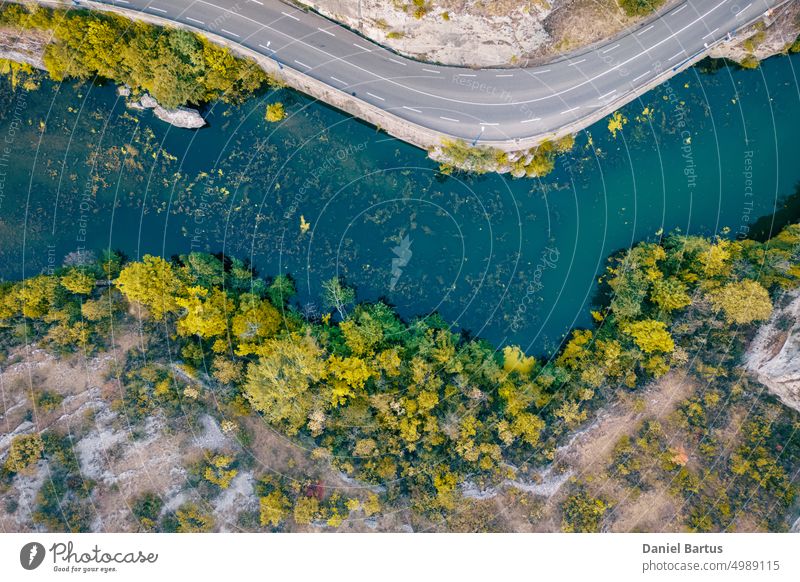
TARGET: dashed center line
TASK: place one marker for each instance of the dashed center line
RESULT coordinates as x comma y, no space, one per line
257,2
124,1
484,123
229,32
710,33
640,76
398,62
302,64
338,80
290,16
675,56
570,110
328,32
361,47
376,96
189,18
538,72
641,32
681,8
531,120
450,119
431,71
499,76
609,94
743,9
466,75
412,109
158,9
608,50
576,63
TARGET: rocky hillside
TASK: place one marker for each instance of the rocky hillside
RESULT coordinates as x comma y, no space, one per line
497,33
774,355
479,33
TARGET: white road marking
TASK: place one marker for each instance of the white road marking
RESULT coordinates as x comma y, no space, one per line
710,33
570,110
531,120
450,119
608,50
431,71
641,76
606,95
157,9
338,80
576,63
553,95
290,16
257,2
361,47
641,32
466,75
195,20
681,8
124,1
498,76
266,47
675,56
396,61
302,64
484,123
376,97
412,109
743,9
229,32
329,33
538,72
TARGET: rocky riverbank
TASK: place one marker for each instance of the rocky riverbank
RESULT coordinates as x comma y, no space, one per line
28,46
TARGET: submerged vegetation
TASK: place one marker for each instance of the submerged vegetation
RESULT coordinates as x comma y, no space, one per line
412,407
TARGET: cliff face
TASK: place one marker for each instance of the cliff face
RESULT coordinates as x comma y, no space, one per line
774,355
774,35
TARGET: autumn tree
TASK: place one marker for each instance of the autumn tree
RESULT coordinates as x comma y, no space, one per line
742,302
154,283
25,450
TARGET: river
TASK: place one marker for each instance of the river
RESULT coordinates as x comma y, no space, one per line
511,260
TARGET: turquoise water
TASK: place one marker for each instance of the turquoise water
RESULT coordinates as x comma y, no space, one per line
514,261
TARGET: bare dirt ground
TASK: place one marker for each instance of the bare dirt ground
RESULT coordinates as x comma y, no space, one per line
126,461
586,458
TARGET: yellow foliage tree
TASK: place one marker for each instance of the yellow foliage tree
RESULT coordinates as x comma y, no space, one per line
78,282
514,360
153,283
742,301
651,336
274,508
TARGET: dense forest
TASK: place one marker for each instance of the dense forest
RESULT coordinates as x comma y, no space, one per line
415,407
173,65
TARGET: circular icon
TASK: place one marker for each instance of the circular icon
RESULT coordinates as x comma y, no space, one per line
31,555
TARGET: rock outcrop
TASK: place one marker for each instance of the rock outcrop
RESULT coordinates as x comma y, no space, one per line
773,35
184,117
774,355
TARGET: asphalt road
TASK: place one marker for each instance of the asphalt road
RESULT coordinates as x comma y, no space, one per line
476,105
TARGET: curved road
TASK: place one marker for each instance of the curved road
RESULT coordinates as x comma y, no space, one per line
493,105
